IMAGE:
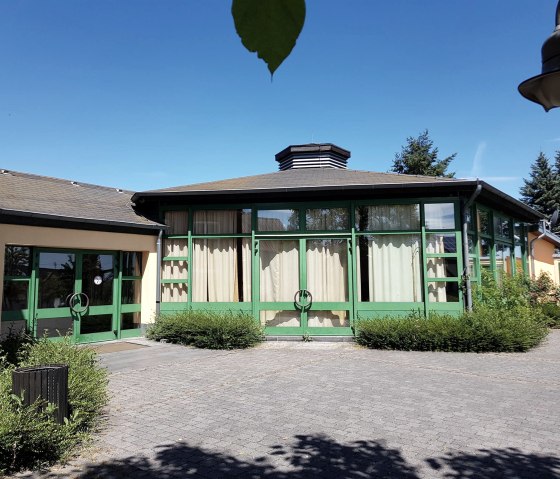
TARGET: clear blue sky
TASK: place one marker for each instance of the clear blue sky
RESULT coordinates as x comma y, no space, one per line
146,94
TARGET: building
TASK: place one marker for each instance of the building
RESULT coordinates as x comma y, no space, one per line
543,259
307,249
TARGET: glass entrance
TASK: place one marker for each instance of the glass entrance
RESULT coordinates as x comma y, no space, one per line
76,294
305,286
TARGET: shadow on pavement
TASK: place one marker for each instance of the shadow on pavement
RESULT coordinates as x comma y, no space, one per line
318,456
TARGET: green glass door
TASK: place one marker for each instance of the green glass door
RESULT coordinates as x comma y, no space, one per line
76,295
305,286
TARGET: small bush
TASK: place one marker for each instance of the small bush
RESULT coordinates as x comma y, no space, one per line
551,313
29,436
207,329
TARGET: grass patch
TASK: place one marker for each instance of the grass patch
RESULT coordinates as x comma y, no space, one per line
29,436
207,329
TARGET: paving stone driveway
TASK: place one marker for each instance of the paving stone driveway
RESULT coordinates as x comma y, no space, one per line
328,411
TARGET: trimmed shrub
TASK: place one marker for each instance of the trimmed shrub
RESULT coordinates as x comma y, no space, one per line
482,331
504,319
29,436
207,329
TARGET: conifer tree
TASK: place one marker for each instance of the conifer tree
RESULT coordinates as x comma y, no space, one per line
542,190
419,157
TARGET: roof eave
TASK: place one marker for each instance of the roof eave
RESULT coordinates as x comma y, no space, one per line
73,219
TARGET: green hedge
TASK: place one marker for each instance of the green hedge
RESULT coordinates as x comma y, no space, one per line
29,437
482,331
504,319
207,329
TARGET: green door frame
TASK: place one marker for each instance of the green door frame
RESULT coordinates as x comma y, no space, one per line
302,278
65,312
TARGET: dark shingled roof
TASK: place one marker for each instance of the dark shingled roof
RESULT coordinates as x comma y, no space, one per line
334,181
299,178
42,197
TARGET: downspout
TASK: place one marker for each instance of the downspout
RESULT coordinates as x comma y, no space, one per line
158,274
466,277
532,248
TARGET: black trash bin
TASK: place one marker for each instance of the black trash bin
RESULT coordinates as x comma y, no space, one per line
48,382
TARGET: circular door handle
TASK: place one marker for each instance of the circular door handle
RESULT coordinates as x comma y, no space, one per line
299,296
77,304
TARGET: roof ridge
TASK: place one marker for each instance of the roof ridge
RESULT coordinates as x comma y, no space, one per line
5,171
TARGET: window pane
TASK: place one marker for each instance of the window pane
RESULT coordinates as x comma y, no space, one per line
327,269
441,243
177,222
283,319
221,270
130,321
484,222
132,263
328,319
97,278
131,291
518,259
442,268
388,217
17,261
501,226
174,293
326,219
15,295
56,279
222,221
389,268
472,246
439,216
472,268
54,327
443,292
174,247
503,259
99,323
279,264
485,262
278,220
174,270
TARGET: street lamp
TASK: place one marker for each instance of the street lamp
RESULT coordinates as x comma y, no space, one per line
544,89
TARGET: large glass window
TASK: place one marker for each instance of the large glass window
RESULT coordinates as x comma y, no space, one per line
327,269
57,276
389,268
279,270
388,217
17,274
221,270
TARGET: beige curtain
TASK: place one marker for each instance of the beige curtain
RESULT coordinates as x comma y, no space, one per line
279,266
177,222
393,268
215,222
216,275
327,279
436,269
393,217
215,270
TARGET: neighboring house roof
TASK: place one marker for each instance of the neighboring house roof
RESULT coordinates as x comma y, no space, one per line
331,181
548,236
25,197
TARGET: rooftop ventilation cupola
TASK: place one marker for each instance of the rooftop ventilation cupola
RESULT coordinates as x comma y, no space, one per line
312,155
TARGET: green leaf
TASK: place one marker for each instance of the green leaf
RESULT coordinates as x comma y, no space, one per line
269,27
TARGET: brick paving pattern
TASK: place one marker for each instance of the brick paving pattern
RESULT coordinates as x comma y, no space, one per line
298,410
